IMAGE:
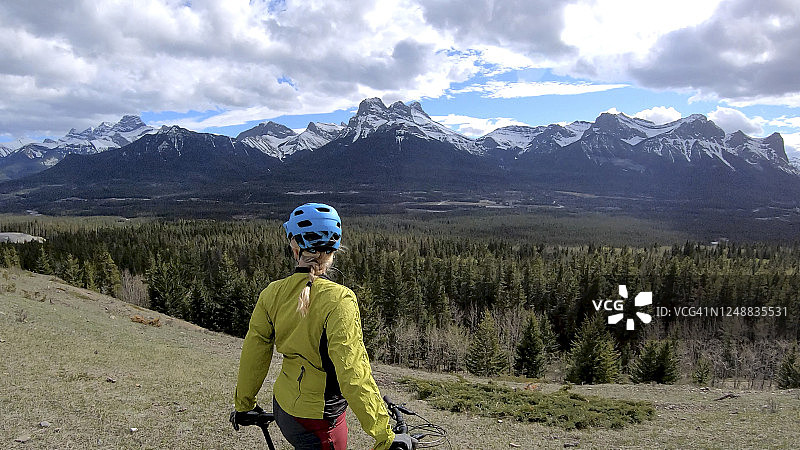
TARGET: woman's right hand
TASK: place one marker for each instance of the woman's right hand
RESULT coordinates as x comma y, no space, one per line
403,442
245,418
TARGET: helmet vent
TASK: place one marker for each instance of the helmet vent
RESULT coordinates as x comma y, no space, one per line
312,236
304,223
298,212
324,210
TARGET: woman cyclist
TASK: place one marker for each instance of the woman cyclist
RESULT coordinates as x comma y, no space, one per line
315,324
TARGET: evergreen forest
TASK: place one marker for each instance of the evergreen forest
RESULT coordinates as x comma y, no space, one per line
492,297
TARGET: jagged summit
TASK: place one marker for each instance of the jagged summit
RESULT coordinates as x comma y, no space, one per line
128,123
407,120
270,128
279,141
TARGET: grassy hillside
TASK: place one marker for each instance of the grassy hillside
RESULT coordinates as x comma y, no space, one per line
75,359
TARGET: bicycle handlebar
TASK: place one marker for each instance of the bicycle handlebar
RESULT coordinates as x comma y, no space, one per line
260,419
423,435
396,411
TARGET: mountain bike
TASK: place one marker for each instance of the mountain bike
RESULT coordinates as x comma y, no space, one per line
425,434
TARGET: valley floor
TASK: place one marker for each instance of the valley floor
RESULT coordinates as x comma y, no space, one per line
74,359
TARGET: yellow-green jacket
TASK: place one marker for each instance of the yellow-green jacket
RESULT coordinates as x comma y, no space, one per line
301,385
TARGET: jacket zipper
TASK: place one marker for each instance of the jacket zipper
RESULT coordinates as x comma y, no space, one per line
299,380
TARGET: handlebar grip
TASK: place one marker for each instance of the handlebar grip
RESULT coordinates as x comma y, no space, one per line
401,426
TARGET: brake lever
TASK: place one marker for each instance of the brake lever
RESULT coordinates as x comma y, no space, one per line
405,410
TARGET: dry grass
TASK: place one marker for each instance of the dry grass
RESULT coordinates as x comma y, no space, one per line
174,383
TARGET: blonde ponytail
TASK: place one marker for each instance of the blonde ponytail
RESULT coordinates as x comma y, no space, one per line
318,264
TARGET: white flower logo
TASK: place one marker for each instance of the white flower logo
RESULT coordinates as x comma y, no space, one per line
641,299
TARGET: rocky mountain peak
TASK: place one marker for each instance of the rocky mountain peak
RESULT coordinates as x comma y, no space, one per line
312,127
619,126
372,105
775,143
268,129
326,130
128,123
416,106
698,126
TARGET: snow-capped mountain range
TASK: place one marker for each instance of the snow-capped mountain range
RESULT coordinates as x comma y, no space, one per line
400,148
608,139
100,138
35,157
616,136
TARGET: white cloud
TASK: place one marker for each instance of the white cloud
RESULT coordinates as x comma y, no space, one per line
475,126
731,120
612,110
614,27
517,89
791,142
791,100
788,122
744,53
526,27
86,62
659,114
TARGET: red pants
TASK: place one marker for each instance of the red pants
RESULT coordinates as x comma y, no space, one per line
311,434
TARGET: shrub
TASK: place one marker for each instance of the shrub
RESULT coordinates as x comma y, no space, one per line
701,374
562,408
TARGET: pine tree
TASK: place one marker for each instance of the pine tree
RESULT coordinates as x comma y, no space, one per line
108,276
593,359
227,299
549,337
658,363
485,358
789,371
165,288
668,363
88,275
531,359
393,290
372,326
71,270
440,308
43,264
199,299
10,257
158,284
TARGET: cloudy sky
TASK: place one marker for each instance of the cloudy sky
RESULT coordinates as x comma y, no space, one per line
223,66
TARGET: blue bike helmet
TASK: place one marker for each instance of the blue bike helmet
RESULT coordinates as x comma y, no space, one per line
314,226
